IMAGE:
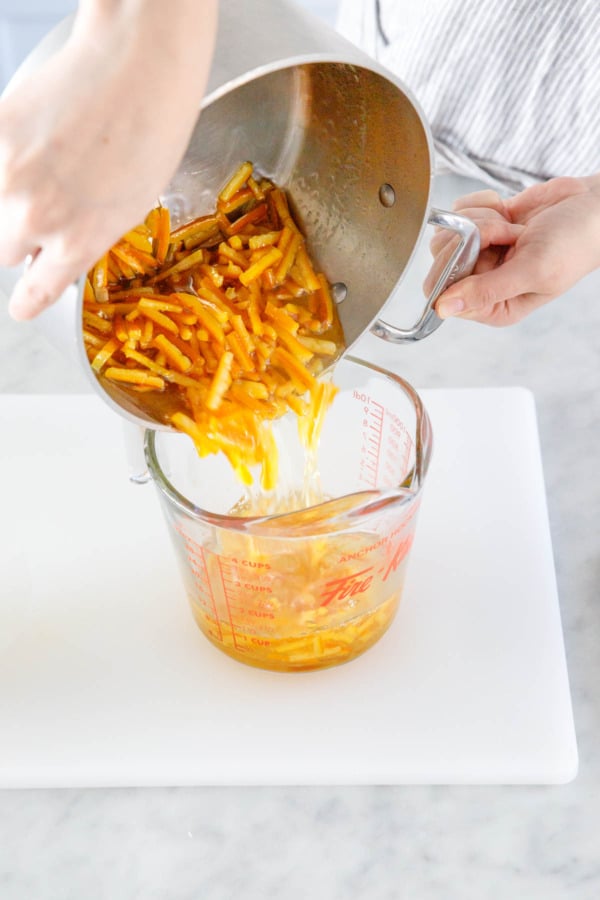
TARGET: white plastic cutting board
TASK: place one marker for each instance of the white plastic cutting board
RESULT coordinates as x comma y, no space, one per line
106,681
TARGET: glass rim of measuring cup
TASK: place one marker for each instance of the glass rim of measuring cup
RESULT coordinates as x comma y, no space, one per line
327,515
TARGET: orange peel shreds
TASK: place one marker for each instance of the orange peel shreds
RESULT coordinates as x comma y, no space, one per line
208,320
209,291
161,319
213,274
104,354
298,350
139,239
199,303
193,259
325,302
236,200
256,188
181,362
319,346
168,374
237,180
221,381
255,389
159,305
92,343
254,319
289,257
261,265
240,329
227,313
256,241
286,361
195,231
225,250
240,353
88,292
162,234
305,268
269,459
134,376
140,262
279,316
253,216
311,424
98,323
282,209
298,405
99,279
204,445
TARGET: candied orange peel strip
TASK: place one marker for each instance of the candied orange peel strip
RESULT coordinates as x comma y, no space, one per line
228,313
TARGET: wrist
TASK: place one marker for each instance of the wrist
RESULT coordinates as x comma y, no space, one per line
593,184
591,230
148,33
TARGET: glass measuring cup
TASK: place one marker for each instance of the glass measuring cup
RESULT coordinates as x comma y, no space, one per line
319,585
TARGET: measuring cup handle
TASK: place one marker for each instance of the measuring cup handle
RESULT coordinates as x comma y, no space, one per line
461,263
133,440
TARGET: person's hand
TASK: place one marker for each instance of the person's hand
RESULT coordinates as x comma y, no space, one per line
88,141
534,247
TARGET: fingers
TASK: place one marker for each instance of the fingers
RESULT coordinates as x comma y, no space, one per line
488,198
40,285
491,231
496,236
483,291
509,312
16,241
530,202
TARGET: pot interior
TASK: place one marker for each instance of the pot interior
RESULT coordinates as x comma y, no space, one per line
343,141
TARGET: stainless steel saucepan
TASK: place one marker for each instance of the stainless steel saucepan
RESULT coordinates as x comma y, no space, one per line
343,136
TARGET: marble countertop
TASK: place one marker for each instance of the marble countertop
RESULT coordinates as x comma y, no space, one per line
538,843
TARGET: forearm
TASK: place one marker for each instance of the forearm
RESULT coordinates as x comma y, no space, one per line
177,28
149,35
88,141
593,182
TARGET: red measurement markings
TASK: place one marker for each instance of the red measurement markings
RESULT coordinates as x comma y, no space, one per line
398,447
347,586
372,432
231,585
398,556
204,591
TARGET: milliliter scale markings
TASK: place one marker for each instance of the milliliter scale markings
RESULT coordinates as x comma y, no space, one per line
231,584
372,437
204,591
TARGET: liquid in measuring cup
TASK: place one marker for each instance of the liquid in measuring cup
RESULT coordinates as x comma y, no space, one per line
296,604
311,588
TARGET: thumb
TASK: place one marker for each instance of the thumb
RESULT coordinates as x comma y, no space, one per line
41,285
477,292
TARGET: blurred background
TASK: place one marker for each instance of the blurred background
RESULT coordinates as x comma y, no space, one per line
24,22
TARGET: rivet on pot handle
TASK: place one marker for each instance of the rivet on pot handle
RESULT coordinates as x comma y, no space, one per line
461,263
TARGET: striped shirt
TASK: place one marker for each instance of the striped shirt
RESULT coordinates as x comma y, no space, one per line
511,90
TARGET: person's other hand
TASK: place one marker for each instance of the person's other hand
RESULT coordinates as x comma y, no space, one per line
88,141
534,247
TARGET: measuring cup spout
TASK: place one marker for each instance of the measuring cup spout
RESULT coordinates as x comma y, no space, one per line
332,515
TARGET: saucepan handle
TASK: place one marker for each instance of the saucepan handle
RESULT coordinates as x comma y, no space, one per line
460,264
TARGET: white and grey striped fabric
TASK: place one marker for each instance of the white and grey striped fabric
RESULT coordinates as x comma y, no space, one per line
511,89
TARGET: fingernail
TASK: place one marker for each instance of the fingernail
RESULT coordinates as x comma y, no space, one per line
452,306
